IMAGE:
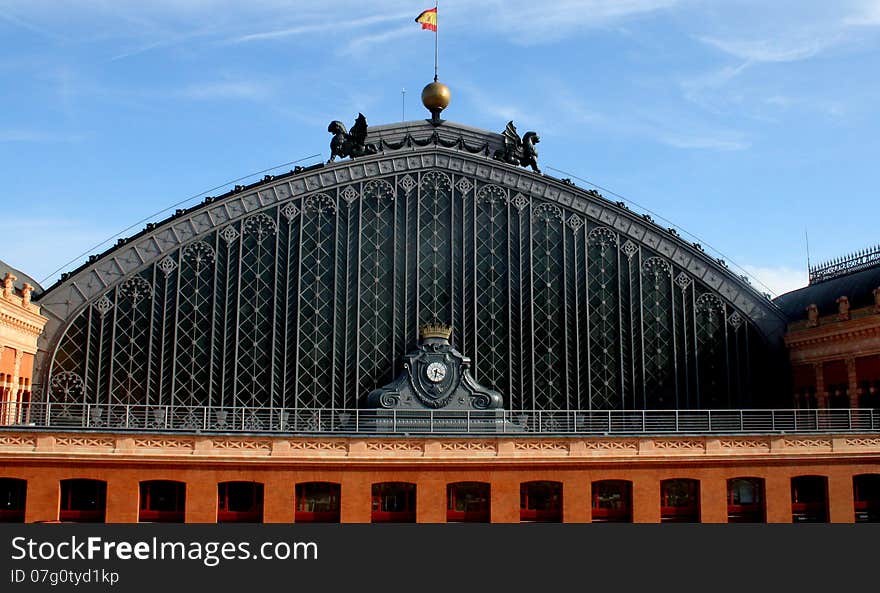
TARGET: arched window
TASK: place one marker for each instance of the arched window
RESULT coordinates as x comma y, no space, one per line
612,501
540,502
745,500
240,502
13,494
394,502
558,307
866,494
680,501
468,502
83,501
162,501
317,502
809,499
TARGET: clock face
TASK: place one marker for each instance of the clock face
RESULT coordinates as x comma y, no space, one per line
436,372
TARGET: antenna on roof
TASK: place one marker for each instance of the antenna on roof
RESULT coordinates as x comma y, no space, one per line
402,104
807,237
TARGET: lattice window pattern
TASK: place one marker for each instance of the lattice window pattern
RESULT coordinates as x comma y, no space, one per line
311,303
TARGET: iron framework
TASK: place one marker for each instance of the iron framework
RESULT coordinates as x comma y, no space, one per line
312,302
305,290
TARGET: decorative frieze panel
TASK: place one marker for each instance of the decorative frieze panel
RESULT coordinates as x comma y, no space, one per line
544,447
745,444
688,445
394,447
807,443
17,441
164,444
242,445
873,442
612,445
319,447
469,447
84,442
442,449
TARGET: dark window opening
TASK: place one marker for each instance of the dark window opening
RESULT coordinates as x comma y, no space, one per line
866,495
83,501
394,502
13,495
468,502
868,373
240,502
870,394
612,501
317,502
809,499
680,501
745,500
540,502
162,501
838,395
804,376
805,398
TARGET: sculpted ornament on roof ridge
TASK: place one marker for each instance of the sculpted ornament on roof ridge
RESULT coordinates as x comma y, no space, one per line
350,144
519,151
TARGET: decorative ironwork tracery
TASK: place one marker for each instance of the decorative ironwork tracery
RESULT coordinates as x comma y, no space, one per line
604,312
311,303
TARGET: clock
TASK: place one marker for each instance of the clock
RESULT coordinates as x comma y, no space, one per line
436,372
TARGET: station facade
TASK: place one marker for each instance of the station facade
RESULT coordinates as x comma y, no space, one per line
430,332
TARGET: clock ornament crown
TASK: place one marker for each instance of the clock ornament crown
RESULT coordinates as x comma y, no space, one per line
435,330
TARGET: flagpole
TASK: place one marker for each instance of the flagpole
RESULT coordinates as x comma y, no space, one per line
436,37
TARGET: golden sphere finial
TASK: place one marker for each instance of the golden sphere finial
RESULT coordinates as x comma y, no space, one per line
436,97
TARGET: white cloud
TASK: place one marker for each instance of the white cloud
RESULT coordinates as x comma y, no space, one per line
242,89
523,21
532,22
497,105
867,16
163,42
361,43
718,141
319,28
786,31
696,88
18,22
774,50
669,127
779,280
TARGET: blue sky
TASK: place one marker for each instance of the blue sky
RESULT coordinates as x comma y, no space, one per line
742,123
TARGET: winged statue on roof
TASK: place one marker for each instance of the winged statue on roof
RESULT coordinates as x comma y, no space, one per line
350,144
519,151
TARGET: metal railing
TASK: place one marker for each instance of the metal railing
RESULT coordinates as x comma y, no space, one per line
143,418
848,264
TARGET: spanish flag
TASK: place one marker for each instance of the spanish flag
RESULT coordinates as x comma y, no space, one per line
428,18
